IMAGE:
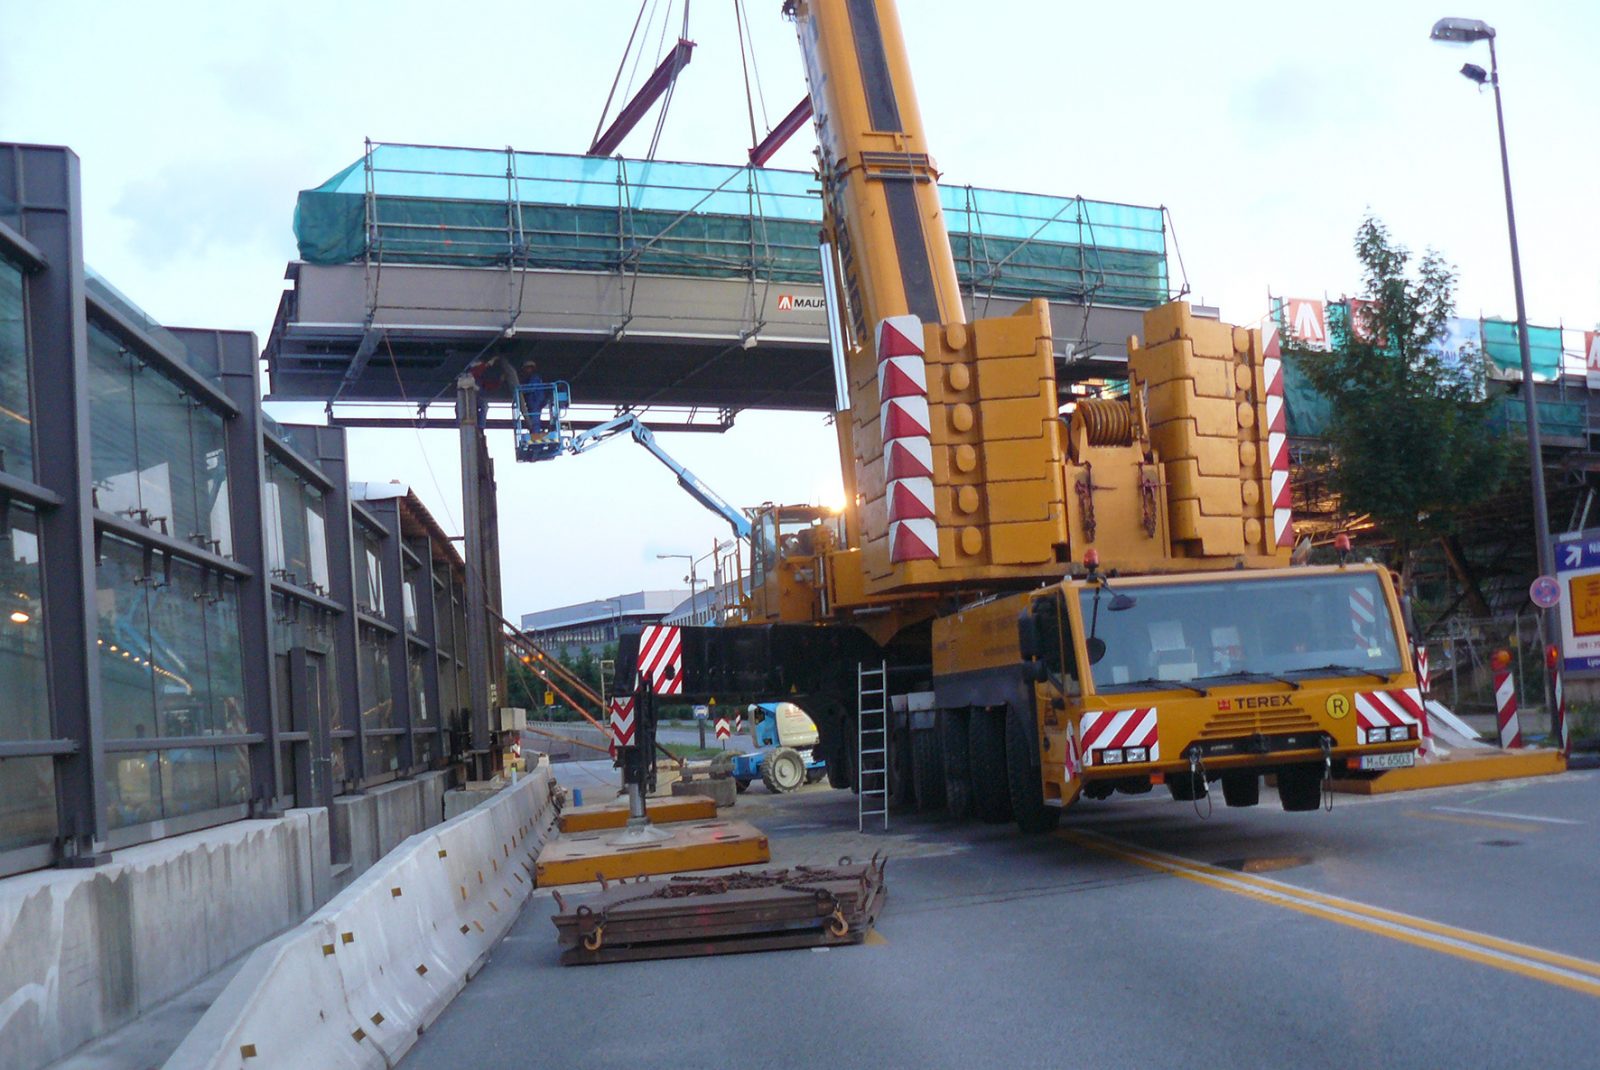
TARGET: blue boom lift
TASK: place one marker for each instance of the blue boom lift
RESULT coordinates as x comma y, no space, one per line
542,438
784,736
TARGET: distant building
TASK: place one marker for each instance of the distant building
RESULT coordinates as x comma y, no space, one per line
568,629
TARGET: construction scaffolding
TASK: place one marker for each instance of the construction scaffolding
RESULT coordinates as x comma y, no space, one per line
425,204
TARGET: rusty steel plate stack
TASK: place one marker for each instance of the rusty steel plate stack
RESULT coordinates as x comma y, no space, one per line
751,910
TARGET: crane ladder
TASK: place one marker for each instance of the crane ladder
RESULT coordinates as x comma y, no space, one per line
872,742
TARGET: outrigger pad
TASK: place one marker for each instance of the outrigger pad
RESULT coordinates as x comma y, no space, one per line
686,916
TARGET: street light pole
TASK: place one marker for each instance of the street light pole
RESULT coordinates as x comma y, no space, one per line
1466,31
693,602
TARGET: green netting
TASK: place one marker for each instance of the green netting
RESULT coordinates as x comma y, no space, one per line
1307,412
1544,347
1557,419
482,207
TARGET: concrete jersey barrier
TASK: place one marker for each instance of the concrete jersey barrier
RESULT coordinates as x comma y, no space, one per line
354,983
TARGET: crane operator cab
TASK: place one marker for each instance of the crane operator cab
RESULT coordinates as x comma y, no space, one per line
786,552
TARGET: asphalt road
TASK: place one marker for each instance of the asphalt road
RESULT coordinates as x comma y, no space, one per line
1452,928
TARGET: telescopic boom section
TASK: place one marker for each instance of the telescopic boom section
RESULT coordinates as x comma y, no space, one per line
878,175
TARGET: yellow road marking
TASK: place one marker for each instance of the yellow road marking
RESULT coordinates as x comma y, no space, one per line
1567,971
875,938
1481,822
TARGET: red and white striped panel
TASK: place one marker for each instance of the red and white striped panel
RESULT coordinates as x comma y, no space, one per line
1277,446
1388,709
1099,729
1074,763
1363,612
1505,708
907,458
622,723
910,499
904,418
905,426
1558,701
661,659
1424,677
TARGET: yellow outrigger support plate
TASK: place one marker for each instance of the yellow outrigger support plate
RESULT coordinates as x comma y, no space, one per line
577,858
614,815
1458,767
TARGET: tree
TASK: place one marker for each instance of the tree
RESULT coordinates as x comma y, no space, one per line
1409,430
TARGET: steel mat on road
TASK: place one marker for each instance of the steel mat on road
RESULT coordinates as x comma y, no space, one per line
1551,967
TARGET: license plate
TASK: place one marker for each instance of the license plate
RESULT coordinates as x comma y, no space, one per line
1388,761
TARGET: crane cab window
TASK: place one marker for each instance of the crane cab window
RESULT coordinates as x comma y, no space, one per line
764,554
1231,631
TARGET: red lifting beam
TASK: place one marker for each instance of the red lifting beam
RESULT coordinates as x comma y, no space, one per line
760,154
662,77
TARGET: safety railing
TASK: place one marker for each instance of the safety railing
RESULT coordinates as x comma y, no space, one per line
480,207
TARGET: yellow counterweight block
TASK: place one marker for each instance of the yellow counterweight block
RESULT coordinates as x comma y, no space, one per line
1208,422
983,426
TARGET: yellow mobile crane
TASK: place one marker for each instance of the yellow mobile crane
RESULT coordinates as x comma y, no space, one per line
1076,606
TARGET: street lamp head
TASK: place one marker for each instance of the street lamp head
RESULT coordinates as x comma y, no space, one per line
1461,31
1474,73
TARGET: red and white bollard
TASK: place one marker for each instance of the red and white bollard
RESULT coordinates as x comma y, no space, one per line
1558,702
1505,700
1424,685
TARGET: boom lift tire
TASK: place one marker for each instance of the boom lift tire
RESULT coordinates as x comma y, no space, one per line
741,785
783,771
1024,780
986,751
957,769
1241,789
927,767
1300,787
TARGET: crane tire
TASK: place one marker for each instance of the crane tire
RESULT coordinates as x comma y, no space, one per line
927,769
957,774
1024,780
986,755
1241,789
842,766
1300,787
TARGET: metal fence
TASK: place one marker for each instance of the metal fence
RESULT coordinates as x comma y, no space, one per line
1463,679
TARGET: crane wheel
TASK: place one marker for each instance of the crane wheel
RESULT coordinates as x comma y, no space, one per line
986,753
783,771
1024,780
1241,789
842,766
927,769
957,775
1300,787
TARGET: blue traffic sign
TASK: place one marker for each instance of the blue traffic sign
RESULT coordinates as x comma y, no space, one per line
1545,592
1573,555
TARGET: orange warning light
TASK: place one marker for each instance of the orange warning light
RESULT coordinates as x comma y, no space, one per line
1501,659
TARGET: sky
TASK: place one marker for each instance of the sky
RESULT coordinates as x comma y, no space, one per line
1268,130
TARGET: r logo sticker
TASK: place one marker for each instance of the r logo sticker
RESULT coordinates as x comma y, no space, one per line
1338,706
